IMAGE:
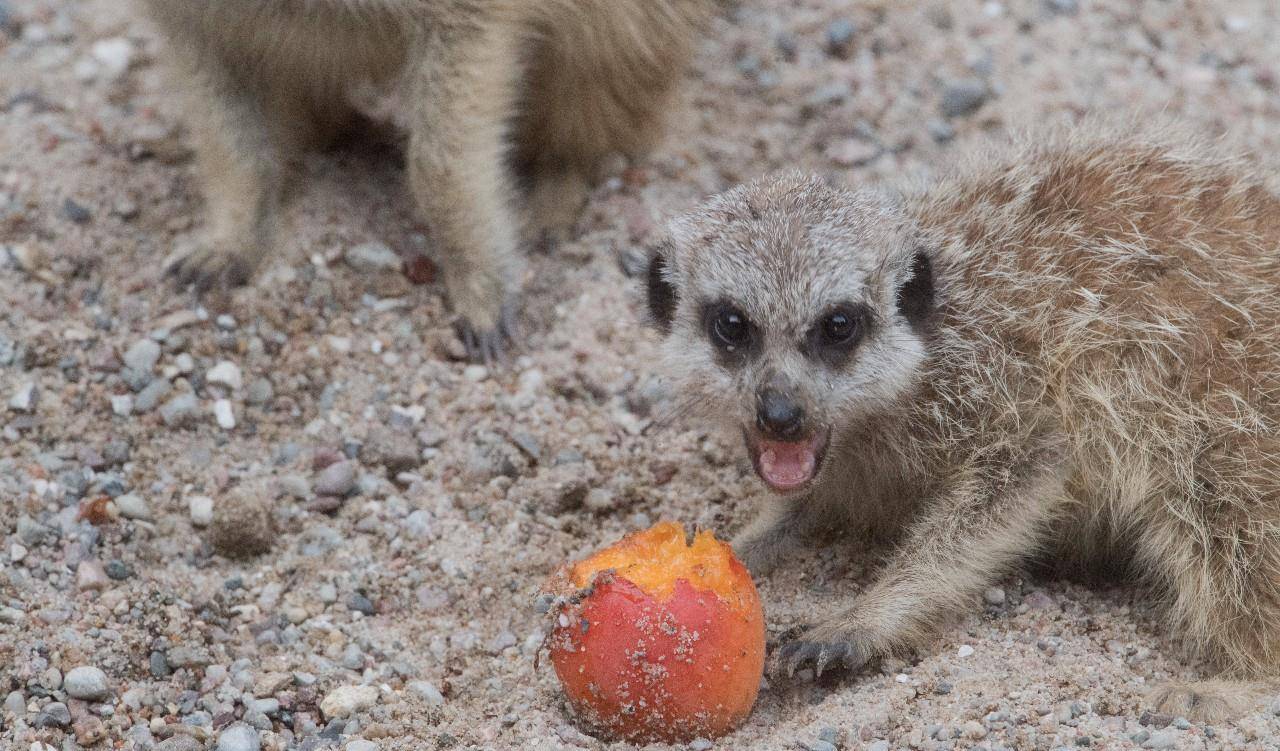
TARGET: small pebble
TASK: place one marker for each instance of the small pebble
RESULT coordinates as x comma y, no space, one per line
337,479
239,737
133,506
1161,739
345,701
25,398
75,211
54,714
361,604
994,596
179,410
840,33
223,414
1063,7
86,682
225,373
964,651
142,356
372,256
151,395
963,97
426,691
90,575
200,508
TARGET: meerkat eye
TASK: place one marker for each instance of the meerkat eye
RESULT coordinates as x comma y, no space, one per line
835,334
731,328
839,327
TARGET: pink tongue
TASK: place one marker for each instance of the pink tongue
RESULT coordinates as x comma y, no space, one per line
786,464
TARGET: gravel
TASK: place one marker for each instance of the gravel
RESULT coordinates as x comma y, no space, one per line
469,485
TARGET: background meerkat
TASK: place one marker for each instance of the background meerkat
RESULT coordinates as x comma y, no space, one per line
1071,354
543,87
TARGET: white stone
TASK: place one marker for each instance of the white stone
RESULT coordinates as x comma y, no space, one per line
225,373
122,404
964,651
115,55
345,701
373,256
201,510
25,398
132,506
426,691
223,414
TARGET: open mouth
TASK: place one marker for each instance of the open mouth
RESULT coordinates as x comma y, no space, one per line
787,466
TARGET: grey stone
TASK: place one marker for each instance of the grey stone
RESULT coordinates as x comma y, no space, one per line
32,532
337,479
54,714
840,33
15,704
147,399
259,392
963,97
1063,7
1162,739
186,657
86,682
25,398
142,356
180,742
179,410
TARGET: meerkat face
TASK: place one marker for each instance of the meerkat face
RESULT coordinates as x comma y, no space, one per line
789,307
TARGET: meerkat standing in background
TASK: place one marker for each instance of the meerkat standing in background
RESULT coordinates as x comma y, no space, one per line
1074,354
544,87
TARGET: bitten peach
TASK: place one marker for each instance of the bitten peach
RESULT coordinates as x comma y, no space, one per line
659,639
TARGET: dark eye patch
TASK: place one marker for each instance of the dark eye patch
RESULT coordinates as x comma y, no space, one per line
733,336
836,333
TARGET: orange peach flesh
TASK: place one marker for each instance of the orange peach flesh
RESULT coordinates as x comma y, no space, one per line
654,560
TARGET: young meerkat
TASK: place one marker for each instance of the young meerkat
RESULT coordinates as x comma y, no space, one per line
1071,356
539,91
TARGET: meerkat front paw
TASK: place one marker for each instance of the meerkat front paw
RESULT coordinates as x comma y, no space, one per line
208,265
487,344
821,647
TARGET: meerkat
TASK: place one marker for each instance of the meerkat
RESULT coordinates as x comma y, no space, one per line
1070,354
503,95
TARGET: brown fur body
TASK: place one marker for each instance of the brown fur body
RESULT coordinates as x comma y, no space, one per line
1096,377
549,87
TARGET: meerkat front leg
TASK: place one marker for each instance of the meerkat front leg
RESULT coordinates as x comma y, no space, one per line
777,529
969,535
464,100
244,138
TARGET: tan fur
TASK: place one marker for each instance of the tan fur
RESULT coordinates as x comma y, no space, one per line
1100,380
550,87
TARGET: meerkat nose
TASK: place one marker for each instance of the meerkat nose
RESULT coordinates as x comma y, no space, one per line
777,414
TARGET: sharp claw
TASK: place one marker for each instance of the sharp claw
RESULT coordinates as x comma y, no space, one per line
828,654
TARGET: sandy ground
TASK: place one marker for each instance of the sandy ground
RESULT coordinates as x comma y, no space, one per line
465,484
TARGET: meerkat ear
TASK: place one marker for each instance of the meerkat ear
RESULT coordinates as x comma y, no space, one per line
660,292
915,296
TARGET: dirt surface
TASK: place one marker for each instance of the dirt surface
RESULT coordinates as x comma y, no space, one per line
398,507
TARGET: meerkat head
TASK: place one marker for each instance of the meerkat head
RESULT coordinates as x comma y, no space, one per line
788,307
